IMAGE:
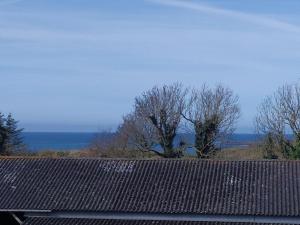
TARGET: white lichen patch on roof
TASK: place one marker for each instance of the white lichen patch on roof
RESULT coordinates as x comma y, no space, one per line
118,166
10,177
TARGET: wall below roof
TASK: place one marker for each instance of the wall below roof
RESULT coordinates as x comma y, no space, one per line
6,218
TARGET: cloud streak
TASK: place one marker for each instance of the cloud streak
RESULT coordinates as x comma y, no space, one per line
252,18
9,2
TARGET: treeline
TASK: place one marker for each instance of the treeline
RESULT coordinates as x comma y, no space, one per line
210,114
10,136
160,113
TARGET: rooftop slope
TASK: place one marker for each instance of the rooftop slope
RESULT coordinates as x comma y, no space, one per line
270,188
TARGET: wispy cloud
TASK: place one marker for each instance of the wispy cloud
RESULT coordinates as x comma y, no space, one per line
252,18
8,2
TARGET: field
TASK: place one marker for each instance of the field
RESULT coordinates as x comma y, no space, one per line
249,153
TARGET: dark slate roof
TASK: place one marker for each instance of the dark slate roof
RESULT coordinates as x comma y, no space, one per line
52,221
152,186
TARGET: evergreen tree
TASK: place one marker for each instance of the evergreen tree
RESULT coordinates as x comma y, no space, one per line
14,140
2,133
10,135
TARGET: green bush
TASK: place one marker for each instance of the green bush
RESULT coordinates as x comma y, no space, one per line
269,147
294,150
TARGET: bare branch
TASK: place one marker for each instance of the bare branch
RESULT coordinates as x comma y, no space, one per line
161,108
279,115
213,114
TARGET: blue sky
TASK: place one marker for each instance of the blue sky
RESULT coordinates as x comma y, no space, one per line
77,65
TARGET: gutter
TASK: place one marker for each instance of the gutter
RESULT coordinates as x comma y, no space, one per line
24,211
168,217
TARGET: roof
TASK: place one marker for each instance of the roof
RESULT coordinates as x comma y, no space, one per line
270,188
57,221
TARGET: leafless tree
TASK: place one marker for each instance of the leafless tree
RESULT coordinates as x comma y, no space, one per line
138,134
212,114
161,109
279,115
112,145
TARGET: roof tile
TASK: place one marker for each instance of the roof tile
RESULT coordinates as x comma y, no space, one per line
154,186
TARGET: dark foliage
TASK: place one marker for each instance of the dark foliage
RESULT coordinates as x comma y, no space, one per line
10,135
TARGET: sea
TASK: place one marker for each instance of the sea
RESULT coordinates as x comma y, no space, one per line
58,141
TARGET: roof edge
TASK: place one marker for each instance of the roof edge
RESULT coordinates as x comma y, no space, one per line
168,217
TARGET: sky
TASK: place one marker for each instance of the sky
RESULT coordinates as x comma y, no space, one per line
77,65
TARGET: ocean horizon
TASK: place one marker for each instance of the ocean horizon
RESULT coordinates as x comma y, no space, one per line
67,141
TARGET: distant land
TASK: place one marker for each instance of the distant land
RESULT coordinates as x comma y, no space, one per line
39,141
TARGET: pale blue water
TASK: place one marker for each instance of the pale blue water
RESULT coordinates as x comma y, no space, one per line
70,141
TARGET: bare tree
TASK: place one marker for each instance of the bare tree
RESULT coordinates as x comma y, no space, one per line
161,109
212,114
136,133
112,145
279,115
